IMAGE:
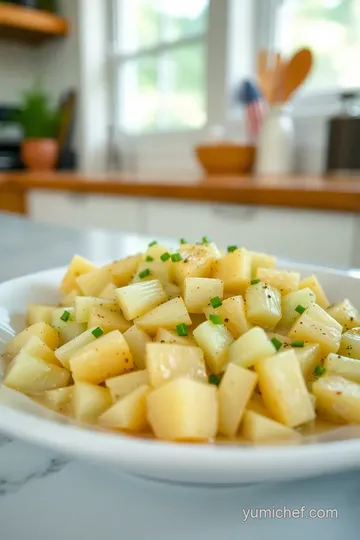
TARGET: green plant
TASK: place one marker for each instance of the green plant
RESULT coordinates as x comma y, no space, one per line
36,117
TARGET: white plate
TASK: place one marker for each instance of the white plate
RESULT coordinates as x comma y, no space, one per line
194,464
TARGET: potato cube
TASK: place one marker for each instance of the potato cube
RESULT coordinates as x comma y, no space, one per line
289,303
316,326
337,398
108,319
46,333
89,401
256,404
171,336
172,290
65,352
235,390
38,313
251,347
345,314
344,366
215,341
58,400
123,385
284,390
137,340
234,269
30,375
139,298
68,329
156,251
309,357
168,315
129,413
106,357
92,283
285,282
197,261
158,270
233,314
69,299
165,362
36,347
109,293
77,267
199,291
260,429
350,344
183,410
263,305
261,260
122,271
312,283
84,304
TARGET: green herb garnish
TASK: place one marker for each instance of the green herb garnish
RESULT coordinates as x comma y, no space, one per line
216,302
153,243
206,240
298,344
215,319
183,241
254,281
232,248
277,344
214,379
165,257
145,273
319,370
65,316
149,259
97,332
182,330
176,257
300,309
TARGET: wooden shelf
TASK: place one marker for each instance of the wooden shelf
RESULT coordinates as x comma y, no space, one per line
30,25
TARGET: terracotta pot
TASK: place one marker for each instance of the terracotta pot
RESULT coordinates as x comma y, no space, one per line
40,154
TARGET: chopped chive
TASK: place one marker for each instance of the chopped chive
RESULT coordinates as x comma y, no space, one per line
183,241
165,257
319,370
255,281
97,332
65,316
298,344
206,240
215,319
300,309
176,257
232,248
153,243
145,273
182,330
216,302
214,379
149,259
277,344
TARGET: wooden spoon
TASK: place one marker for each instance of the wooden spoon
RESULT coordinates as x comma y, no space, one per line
296,71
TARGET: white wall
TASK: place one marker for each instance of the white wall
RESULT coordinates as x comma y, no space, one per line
19,67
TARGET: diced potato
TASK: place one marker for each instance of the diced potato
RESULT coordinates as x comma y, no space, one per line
197,261
139,298
284,340
68,330
172,290
250,348
285,282
257,405
38,313
123,385
106,357
137,340
77,267
84,304
129,413
337,398
233,314
215,341
316,326
89,401
33,376
184,410
69,299
158,270
344,366
122,271
108,319
58,400
156,251
261,260
284,390
260,429
109,293
289,303
171,336
64,353
263,305
199,291
235,390
46,333
234,269
350,344
168,315
94,282
312,283
346,314
165,362
309,357
36,347
196,320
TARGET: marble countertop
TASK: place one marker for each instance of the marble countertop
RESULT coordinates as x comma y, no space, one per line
44,495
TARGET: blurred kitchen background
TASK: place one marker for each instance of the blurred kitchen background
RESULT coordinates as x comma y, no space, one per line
149,92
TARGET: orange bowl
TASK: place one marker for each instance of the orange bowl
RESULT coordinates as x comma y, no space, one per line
226,158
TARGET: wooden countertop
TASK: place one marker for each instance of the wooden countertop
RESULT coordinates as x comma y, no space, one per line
321,193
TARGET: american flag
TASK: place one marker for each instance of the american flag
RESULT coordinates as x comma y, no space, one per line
255,107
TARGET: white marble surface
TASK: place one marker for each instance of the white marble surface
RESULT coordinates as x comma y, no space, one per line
43,495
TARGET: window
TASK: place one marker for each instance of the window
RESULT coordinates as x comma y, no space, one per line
160,62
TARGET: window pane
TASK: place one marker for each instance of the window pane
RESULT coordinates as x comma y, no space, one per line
331,29
184,18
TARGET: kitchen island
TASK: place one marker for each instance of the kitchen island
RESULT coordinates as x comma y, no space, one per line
45,495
